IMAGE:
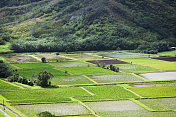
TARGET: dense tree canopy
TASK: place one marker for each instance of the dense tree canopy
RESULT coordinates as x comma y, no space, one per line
4,70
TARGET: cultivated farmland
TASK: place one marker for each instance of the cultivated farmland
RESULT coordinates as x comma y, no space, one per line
142,87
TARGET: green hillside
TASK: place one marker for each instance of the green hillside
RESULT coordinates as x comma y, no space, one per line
69,25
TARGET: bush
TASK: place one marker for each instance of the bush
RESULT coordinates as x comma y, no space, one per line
43,60
20,80
24,81
45,114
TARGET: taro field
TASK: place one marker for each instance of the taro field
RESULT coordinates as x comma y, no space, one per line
84,85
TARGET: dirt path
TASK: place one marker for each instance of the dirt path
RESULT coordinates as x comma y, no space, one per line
8,111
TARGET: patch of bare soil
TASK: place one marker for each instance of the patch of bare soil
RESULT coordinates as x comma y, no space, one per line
20,59
171,59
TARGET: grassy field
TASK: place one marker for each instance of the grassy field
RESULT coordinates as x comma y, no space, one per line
31,70
56,109
70,80
159,91
7,86
160,103
86,70
157,64
168,53
44,96
71,64
107,93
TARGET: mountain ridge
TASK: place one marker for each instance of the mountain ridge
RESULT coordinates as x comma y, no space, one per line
69,25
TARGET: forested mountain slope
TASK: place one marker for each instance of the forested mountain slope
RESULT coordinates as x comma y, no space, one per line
70,25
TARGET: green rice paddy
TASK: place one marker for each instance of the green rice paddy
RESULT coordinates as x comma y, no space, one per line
159,91
107,93
157,64
7,86
44,96
86,70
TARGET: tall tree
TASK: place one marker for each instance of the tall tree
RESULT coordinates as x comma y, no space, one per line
43,78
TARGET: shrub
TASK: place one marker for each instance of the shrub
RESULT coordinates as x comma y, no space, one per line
45,114
43,60
24,81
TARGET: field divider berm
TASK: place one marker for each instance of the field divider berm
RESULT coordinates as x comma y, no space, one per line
142,105
90,79
88,91
138,76
87,107
35,58
132,92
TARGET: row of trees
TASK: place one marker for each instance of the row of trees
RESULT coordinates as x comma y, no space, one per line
89,44
13,76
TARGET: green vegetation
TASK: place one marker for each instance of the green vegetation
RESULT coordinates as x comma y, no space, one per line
44,96
5,70
6,86
31,70
157,64
69,25
107,93
45,114
82,89
87,70
2,115
70,64
5,48
159,91
43,78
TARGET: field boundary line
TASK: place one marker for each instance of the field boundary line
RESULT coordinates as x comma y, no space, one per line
138,76
90,79
35,57
87,107
142,105
132,92
88,91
